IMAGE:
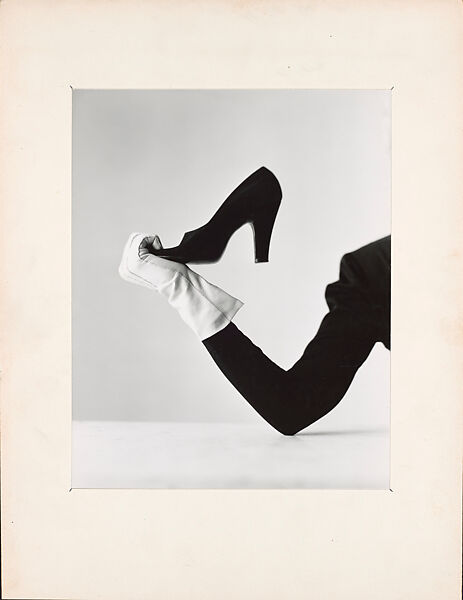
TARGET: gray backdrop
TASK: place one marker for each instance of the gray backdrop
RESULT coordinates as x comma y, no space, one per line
162,162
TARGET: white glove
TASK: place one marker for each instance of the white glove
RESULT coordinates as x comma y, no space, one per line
140,267
204,307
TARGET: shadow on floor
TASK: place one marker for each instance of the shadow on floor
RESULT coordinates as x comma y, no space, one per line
345,432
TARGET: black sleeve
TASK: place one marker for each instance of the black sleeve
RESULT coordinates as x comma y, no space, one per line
291,400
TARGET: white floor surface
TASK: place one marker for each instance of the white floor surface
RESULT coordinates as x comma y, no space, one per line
226,455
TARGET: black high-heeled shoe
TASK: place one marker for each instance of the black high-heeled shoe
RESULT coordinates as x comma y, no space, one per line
256,201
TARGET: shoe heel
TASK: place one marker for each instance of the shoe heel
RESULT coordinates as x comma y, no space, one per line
262,227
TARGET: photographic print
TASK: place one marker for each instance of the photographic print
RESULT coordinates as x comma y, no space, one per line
226,371
231,269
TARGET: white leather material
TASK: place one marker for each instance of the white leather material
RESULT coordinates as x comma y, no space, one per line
203,306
